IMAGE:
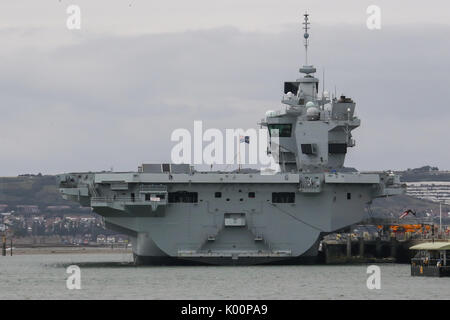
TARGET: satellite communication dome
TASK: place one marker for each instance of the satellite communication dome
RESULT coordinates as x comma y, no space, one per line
310,104
312,113
270,113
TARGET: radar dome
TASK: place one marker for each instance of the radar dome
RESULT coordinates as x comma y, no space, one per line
310,104
312,113
270,113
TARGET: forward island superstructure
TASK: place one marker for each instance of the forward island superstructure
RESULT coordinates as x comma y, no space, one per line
174,213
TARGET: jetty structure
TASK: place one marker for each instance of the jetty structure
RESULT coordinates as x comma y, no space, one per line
432,259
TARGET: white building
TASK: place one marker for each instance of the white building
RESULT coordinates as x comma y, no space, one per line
436,191
101,238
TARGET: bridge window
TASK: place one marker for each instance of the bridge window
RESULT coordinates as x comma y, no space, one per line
284,130
283,197
291,87
218,195
251,194
349,196
183,196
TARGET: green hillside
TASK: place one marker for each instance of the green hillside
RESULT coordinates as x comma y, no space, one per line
31,190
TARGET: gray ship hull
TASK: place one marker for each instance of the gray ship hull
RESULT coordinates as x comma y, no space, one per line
229,219
157,259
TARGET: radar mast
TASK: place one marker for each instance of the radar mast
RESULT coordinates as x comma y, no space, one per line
306,35
306,68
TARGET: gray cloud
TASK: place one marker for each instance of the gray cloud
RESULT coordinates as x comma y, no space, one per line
113,100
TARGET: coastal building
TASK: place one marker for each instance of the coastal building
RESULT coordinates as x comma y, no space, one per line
121,238
101,239
28,209
57,208
436,191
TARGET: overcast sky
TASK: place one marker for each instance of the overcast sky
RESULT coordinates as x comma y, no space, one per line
110,94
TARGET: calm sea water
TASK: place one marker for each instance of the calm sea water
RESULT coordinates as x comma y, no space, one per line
111,276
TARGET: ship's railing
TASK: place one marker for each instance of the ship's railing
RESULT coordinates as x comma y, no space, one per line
427,263
68,184
92,190
154,188
116,199
326,115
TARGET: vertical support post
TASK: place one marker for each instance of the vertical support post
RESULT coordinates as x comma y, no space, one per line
440,219
239,155
378,247
4,245
326,251
361,247
11,246
349,246
394,248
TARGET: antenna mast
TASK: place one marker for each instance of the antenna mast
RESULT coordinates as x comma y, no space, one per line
306,35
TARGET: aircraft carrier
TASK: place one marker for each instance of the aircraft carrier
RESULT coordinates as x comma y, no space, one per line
175,214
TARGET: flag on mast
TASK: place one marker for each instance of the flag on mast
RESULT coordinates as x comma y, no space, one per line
245,139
